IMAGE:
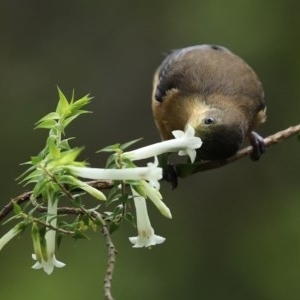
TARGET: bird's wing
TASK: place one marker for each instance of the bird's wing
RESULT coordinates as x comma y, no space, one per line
166,82
172,72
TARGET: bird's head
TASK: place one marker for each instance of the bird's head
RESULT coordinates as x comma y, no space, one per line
221,131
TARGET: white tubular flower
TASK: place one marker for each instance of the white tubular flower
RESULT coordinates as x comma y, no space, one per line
151,173
48,265
185,143
191,142
155,196
146,236
49,260
155,173
10,234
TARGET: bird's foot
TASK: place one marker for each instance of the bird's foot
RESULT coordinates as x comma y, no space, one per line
170,174
258,144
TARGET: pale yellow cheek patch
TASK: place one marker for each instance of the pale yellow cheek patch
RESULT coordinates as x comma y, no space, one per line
196,110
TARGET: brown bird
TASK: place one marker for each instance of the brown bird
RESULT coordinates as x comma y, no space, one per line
216,92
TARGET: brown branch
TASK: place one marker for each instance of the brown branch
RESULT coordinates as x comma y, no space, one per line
111,257
269,141
98,184
9,206
67,232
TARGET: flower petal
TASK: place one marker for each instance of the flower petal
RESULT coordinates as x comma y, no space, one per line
140,241
146,236
155,174
48,266
178,134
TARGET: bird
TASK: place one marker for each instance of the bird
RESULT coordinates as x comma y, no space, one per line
217,93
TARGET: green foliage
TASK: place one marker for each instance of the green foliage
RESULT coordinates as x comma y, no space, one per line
66,112
116,160
57,206
53,182
49,169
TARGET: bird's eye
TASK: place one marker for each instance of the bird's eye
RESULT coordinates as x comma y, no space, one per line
209,121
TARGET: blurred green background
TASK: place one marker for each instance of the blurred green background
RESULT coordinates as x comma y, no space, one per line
235,232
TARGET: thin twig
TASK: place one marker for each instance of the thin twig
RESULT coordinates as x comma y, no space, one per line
111,258
63,210
98,184
67,232
9,206
269,141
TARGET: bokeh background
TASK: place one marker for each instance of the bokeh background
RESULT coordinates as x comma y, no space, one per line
235,232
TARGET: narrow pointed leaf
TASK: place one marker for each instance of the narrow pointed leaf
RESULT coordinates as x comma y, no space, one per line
63,104
128,144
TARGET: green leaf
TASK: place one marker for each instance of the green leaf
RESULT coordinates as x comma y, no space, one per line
64,144
47,124
32,177
60,128
40,187
80,235
67,158
81,111
17,208
128,144
77,202
128,163
86,220
70,180
63,104
111,148
11,219
68,120
113,193
118,210
35,160
48,121
25,173
75,106
124,198
113,227
130,219
54,151
51,116
59,237
111,162
98,222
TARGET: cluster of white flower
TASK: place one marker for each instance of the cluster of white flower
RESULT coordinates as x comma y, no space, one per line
184,143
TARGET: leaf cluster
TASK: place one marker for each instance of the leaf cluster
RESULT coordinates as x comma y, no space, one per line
49,171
